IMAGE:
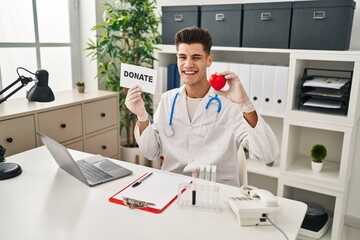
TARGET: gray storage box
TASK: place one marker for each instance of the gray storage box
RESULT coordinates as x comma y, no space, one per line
322,25
223,22
175,18
267,25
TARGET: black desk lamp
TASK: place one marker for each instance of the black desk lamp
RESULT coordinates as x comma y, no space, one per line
40,92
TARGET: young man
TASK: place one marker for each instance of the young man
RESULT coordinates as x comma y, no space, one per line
189,136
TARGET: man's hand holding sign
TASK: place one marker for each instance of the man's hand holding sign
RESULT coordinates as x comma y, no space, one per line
137,79
143,77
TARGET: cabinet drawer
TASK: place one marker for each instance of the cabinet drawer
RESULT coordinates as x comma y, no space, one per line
79,145
18,134
105,144
62,124
101,114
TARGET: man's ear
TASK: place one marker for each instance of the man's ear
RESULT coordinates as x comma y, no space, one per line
210,60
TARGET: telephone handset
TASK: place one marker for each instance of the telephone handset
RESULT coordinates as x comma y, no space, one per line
254,206
266,197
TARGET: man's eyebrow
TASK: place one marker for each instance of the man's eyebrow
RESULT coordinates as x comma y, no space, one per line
194,55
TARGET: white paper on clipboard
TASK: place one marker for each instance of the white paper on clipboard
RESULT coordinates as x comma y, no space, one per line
158,189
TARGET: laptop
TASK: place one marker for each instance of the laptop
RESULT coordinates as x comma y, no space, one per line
91,171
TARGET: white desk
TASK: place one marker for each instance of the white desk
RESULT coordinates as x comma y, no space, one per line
45,202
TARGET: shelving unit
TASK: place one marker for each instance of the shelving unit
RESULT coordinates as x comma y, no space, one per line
298,130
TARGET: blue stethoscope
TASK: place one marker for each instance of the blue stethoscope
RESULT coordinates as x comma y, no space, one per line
169,130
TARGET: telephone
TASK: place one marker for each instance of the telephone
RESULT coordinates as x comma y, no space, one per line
254,206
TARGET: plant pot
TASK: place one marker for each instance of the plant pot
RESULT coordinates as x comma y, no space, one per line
316,166
81,89
132,154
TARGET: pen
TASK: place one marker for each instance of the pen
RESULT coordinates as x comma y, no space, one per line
141,180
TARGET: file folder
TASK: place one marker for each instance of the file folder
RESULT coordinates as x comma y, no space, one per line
219,67
281,83
244,73
267,99
173,80
256,85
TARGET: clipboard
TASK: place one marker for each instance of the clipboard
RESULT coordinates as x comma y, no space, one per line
160,189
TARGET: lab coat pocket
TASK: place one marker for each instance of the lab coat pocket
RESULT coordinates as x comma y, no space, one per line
217,139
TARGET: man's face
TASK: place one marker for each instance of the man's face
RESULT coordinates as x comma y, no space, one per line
192,62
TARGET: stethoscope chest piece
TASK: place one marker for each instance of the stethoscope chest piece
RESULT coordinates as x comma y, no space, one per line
169,131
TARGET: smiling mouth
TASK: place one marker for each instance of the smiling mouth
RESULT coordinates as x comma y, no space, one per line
189,73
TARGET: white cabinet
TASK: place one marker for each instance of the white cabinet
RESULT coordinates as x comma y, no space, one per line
87,122
298,130
62,124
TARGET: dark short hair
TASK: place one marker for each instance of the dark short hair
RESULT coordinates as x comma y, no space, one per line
194,34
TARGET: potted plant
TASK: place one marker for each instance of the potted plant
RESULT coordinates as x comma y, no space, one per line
318,154
80,86
128,34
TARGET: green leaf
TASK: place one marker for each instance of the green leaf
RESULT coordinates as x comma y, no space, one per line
125,36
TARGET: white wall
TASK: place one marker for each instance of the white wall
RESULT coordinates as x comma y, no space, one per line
88,19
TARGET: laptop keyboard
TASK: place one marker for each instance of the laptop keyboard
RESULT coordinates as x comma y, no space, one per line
92,173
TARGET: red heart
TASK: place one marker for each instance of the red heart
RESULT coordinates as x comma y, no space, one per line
217,82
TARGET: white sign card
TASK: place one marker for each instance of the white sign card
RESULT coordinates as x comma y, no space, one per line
131,75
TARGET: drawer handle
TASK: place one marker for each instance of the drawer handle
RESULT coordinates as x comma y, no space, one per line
279,101
63,125
265,16
178,17
103,114
9,139
219,17
319,15
254,98
267,99
103,147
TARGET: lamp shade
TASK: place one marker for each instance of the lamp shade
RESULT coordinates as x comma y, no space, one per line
41,92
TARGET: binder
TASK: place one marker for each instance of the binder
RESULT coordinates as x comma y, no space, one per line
219,67
256,85
245,76
281,83
268,86
243,71
173,79
177,77
160,189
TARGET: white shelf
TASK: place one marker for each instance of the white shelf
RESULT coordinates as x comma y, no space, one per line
328,178
298,130
254,166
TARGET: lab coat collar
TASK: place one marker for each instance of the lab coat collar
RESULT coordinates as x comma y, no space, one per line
209,94
182,95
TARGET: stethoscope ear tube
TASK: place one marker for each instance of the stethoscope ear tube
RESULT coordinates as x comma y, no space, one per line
172,109
169,130
215,98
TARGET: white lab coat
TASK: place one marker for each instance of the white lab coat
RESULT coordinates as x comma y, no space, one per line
187,148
